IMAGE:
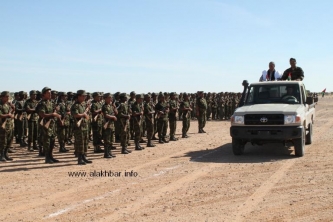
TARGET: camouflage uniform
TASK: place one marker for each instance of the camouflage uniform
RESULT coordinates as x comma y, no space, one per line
162,119
6,129
186,115
149,116
108,127
49,129
172,116
136,119
123,115
201,111
80,129
64,123
96,123
32,121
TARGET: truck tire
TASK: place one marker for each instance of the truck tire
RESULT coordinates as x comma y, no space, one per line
238,146
299,144
309,135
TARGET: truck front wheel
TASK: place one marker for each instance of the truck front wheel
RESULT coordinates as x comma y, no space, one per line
299,144
238,146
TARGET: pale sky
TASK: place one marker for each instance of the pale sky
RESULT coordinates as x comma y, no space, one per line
164,45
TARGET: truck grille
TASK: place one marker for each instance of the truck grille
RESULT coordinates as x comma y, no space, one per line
264,119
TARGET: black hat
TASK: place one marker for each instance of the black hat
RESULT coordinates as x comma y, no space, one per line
292,59
132,93
69,93
122,95
45,89
81,92
138,96
106,95
5,93
33,92
95,94
62,94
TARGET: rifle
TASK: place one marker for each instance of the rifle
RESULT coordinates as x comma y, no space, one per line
11,111
85,112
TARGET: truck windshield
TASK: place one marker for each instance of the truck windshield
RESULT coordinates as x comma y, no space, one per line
284,93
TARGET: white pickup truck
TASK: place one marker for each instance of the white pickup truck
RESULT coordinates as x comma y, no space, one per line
274,111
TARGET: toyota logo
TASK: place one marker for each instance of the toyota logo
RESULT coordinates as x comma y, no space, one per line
264,120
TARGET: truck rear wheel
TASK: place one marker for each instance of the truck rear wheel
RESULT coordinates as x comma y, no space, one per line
299,144
309,135
238,146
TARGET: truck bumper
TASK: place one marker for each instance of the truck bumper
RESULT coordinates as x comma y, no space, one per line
266,133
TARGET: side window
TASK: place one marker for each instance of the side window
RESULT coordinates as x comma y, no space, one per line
303,95
250,96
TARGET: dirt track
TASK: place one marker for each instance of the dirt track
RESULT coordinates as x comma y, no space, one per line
194,179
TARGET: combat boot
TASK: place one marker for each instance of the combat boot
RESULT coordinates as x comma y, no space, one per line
51,156
164,140
124,150
29,147
97,149
10,150
203,131
2,156
22,144
80,160
41,151
184,136
47,157
6,155
150,144
106,152
62,148
173,138
160,140
85,159
34,145
110,152
137,146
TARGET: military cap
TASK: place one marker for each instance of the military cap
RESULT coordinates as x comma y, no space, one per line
173,94
16,93
153,94
185,94
38,92
291,59
160,95
132,93
165,93
122,95
54,92
5,93
200,91
81,92
69,93
117,93
106,95
21,93
45,89
138,96
95,94
62,94
33,92
147,95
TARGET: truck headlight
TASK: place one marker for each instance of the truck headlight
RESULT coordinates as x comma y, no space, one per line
289,119
237,119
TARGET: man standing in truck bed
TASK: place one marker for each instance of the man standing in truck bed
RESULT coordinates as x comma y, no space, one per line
294,72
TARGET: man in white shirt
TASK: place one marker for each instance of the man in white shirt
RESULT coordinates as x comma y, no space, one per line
271,74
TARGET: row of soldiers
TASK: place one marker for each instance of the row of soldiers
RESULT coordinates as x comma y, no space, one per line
106,118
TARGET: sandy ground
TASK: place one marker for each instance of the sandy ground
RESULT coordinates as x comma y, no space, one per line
194,179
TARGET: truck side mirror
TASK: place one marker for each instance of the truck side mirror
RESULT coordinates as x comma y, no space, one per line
309,100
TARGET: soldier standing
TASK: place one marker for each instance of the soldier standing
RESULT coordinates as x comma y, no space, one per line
149,116
97,122
214,106
173,107
186,109
201,111
123,118
64,122
69,103
137,113
30,108
47,112
6,127
162,110
109,112
79,113
130,102
21,117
